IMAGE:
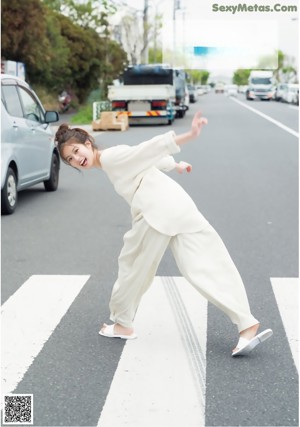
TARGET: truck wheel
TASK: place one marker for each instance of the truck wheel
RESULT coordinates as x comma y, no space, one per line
9,195
52,183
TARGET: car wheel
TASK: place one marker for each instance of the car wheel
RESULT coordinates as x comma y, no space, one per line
52,183
9,194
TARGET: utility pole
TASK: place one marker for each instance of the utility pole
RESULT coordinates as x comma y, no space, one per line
176,6
144,53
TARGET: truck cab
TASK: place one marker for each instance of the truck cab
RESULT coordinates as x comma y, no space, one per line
261,85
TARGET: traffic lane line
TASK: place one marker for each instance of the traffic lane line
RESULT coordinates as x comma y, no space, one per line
286,291
29,317
160,379
265,116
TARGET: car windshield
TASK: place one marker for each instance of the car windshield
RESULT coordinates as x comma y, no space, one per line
261,81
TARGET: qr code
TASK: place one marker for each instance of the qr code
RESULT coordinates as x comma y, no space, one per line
18,409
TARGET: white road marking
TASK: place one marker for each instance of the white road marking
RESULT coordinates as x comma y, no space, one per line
29,317
275,122
163,370
286,291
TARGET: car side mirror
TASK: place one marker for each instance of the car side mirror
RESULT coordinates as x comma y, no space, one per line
51,117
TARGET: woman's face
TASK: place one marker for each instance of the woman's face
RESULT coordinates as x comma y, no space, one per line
80,156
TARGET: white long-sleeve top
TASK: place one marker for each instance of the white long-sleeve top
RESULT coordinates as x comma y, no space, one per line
136,173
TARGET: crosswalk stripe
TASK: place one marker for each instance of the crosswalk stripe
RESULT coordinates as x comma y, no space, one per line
286,292
29,317
167,363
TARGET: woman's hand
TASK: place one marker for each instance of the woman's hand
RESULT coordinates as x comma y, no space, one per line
183,166
197,124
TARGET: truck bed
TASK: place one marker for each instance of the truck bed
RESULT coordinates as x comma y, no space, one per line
140,92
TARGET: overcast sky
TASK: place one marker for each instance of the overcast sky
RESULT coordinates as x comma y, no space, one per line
279,29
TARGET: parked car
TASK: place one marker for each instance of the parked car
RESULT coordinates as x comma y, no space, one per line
186,98
192,93
279,91
242,89
200,90
28,152
231,90
291,94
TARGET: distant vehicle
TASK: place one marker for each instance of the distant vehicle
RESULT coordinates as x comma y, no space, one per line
151,92
260,85
193,94
219,88
186,98
28,153
231,90
64,101
200,90
291,94
279,91
242,89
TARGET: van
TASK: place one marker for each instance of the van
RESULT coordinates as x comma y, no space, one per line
28,153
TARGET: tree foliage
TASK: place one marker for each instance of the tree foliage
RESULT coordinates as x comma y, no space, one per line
241,76
88,14
282,69
58,52
23,32
198,76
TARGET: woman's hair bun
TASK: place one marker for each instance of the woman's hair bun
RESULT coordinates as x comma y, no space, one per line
62,133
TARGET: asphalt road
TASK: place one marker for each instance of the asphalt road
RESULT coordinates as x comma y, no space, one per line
245,182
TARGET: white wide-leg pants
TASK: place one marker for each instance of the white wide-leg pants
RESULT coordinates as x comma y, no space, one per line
202,259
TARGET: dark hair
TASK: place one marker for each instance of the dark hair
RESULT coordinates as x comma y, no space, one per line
65,134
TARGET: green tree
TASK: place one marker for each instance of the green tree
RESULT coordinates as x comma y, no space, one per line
280,64
241,76
88,14
198,76
92,58
56,72
155,55
58,54
84,60
23,33
32,35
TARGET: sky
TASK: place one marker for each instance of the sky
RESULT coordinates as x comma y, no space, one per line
235,36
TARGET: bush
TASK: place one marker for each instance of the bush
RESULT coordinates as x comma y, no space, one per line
49,100
84,115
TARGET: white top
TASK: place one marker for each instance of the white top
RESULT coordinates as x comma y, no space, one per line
136,173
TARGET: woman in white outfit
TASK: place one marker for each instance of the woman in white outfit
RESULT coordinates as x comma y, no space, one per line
163,215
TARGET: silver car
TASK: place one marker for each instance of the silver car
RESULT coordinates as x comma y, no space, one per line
28,153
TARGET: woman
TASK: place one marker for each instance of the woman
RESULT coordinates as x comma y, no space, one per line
163,214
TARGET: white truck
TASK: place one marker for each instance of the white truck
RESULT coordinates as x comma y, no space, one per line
149,93
260,85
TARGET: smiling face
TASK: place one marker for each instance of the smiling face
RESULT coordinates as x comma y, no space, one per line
80,156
